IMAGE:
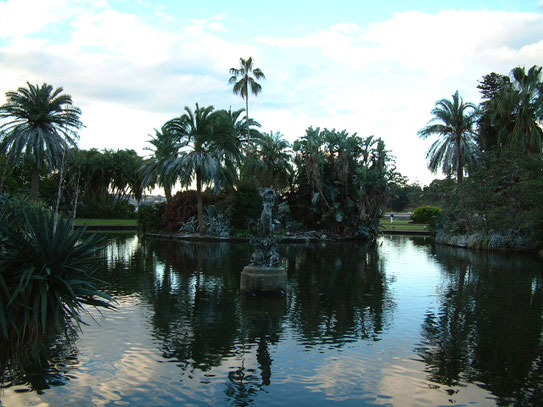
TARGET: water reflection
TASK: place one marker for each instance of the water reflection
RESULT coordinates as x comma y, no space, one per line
359,324
487,328
336,294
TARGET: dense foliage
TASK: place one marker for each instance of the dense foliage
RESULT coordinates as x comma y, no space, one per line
341,181
500,204
427,214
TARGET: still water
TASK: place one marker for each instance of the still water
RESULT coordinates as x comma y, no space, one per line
401,323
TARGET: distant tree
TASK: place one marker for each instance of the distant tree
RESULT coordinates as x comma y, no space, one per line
341,181
164,147
455,148
244,82
270,163
41,125
490,87
512,111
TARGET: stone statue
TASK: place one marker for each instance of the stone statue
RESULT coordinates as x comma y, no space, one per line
266,218
264,274
266,247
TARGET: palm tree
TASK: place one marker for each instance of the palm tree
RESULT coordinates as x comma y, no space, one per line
165,145
206,151
270,163
527,130
41,126
456,147
246,82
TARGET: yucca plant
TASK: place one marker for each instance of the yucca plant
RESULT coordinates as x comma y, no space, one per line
45,281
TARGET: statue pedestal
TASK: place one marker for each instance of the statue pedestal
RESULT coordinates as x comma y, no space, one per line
263,280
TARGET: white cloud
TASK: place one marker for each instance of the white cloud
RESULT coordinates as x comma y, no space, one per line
22,17
380,79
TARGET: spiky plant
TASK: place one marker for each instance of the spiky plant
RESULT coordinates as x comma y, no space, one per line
45,281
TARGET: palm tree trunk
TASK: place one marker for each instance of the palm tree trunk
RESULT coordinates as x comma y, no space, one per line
168,193
460,169
35,183
247,117
74,211
201,227
59,190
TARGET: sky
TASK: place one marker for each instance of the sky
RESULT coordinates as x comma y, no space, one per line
371,68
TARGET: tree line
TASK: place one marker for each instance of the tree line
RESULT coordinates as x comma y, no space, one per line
494,152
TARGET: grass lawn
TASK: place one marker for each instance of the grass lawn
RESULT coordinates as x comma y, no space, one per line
402,225
106,222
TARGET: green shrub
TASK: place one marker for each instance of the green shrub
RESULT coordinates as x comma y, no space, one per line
426,214
182,207
245,206
150,217
107,210
45,280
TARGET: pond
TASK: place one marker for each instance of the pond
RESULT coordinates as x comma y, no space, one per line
401,322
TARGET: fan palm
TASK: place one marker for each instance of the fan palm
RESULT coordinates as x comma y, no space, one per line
41,125
207,149
243,81
455,148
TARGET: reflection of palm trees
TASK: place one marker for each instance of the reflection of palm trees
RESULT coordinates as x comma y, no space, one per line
201,323
488,326
340,291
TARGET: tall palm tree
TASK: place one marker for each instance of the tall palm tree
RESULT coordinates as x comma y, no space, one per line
206,151
455,148
164,147
270,163
41,125
246,82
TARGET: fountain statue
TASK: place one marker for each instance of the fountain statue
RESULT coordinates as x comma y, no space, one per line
264,274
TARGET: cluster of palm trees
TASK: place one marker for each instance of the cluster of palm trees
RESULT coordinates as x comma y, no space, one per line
203,147
509,118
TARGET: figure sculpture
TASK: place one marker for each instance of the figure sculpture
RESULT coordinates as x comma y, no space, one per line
264,274
265,253
266,218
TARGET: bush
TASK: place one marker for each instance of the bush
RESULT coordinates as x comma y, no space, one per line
426,214
107,210
150,217
182,207
245,206
216,223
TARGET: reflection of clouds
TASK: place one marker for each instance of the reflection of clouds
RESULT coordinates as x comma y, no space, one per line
399,381
403,381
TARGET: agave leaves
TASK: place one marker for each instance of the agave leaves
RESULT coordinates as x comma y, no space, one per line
45,279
